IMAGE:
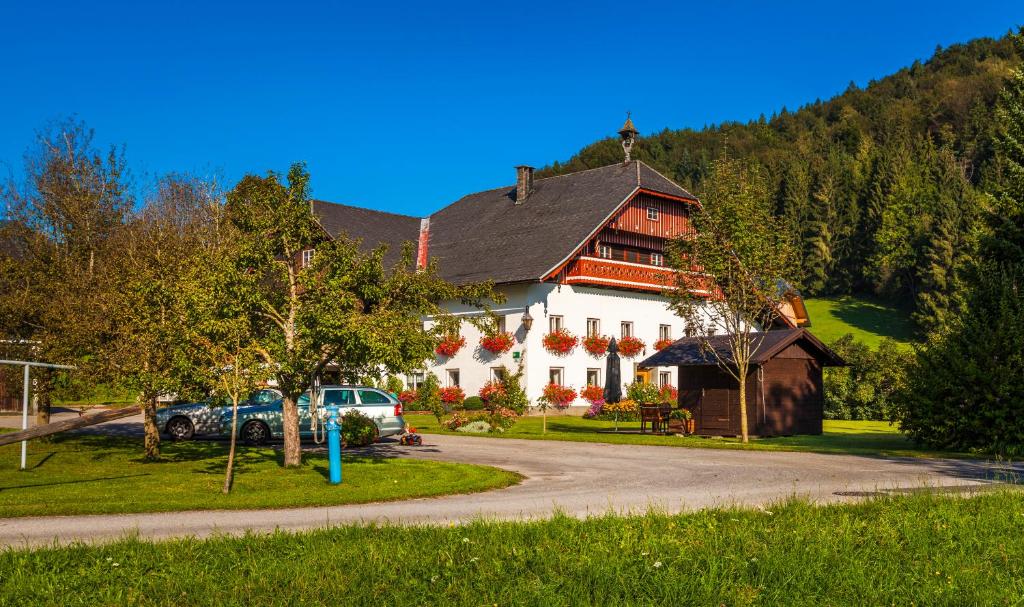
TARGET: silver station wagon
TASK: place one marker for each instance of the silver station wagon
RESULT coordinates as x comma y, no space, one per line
182,422
258,424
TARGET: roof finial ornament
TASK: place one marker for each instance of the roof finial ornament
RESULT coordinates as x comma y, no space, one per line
628,135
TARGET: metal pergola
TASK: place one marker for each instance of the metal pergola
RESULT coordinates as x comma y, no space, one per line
24,395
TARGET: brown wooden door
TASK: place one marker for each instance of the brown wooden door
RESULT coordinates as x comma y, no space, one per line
715,410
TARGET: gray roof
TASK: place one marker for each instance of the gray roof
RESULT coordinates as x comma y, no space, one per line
687,351
488,236
370,227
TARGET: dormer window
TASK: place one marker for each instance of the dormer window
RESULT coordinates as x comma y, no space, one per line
652,213
604,251
657,259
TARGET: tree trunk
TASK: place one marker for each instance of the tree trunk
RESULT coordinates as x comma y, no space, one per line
152,443
229,474
292,446
743,408
42,406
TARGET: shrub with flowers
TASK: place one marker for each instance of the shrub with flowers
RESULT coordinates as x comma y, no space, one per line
450,345
557,396
623,411
592,394
499,343
661,344
595,410
630,346
492,390
501,418
669,394
452,395
596,345
560,342
456,421
407,396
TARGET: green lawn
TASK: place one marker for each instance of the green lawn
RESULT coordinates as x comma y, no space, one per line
916,550
853,437
868,319
96,474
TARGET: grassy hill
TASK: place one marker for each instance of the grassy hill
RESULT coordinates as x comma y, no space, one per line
870,320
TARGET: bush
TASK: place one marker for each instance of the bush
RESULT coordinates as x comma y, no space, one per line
476,427
514,397
623,411
428,397
557,396
643,393
452,396
492,391
473,403
966,388
865,388
394,384
592,394
357,430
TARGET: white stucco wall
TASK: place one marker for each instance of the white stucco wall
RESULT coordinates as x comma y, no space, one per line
575,304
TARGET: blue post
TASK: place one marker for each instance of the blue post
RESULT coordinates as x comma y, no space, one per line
334,443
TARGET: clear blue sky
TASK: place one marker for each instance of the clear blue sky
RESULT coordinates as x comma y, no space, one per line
406,108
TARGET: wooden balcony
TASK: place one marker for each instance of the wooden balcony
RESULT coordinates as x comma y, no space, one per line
625,275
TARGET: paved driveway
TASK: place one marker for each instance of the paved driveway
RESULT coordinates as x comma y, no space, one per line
576,478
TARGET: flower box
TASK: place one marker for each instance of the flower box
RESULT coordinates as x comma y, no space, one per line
630,346
596,345
559,397
560,342
661,344
499,343
450,346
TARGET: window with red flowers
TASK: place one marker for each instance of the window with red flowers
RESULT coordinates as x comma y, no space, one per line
630,346
560,342
450,345
499,343
596,345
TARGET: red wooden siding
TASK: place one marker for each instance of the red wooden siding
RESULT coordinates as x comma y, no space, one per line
673,217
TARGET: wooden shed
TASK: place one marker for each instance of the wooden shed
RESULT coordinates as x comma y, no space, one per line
784,388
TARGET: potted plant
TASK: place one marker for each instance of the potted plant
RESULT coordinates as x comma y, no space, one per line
630,346
560,342
499,343
677,421
450,345
661,344
596,345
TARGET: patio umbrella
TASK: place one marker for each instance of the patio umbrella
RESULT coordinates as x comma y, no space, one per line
613,375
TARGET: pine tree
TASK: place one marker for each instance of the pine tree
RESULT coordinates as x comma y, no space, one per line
1006,241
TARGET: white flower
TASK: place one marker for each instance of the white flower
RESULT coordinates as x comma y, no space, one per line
657,564
644,553
474,559
465,540
117,564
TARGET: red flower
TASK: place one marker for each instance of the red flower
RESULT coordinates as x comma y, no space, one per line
450,345
492,390
407,396
661,344
560,343
592,394
451,395
669,394
630,346
559,396
498,343
596,345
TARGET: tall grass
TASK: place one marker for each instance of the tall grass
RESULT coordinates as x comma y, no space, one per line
916,550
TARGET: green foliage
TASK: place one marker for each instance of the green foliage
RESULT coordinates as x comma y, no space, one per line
967,386
514,397
864,389
428,397
878,186
357,430
394,384
920,549
644,393
473,403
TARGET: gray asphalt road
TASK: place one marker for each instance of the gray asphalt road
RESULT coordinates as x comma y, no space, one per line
579,479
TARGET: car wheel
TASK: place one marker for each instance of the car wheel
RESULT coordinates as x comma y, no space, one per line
255,433
180,428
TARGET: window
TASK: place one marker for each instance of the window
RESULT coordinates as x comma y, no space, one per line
555,324
555,375
664,332
414,380
498,373
453,377
593,377
500,323
593,327
665,378
307,257
604,251
339,397
372,397
626,328
652,213
657,259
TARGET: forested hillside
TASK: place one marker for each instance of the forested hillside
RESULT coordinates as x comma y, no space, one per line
881,186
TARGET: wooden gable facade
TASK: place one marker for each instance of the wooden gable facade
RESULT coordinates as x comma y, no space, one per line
628,250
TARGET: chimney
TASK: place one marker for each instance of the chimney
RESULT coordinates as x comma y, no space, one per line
424,242
524,182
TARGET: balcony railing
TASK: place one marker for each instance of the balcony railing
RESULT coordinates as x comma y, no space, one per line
627,275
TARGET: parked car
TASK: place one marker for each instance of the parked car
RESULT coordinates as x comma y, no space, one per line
182,422
258,424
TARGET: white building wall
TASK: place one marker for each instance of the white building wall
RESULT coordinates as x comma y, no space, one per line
575,304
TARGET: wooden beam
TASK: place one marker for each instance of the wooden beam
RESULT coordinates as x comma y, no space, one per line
68,424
